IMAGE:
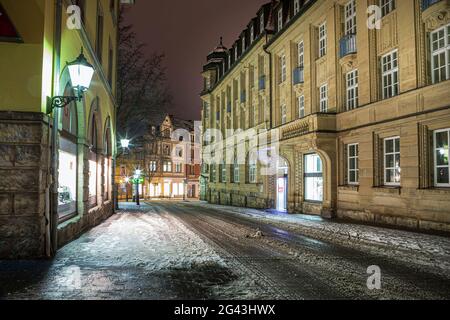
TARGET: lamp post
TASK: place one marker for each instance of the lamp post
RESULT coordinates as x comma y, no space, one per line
127,180
137,176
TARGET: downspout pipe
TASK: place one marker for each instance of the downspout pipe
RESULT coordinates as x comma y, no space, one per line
55,157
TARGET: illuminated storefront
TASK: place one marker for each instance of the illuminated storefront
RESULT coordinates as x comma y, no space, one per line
67,177
93,167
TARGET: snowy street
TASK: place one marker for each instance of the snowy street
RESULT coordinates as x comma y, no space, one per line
192,250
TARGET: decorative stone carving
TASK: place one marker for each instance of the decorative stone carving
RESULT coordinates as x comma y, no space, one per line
436,16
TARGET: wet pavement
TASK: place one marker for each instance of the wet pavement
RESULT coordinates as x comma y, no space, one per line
182,250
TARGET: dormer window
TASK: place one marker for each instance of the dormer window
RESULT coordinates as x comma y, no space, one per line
280,19
236,54
243,43
296,6
229,60
252,34
261,23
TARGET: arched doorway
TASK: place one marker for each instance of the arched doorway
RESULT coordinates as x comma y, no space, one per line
282,184
313,178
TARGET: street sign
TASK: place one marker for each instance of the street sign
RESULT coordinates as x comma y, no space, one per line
139,181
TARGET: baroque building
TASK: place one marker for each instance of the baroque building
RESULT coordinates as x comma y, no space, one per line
55,186
354,97
168,157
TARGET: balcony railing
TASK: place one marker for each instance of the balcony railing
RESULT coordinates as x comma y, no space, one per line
243,97
428,3
348,45
262,82
298,75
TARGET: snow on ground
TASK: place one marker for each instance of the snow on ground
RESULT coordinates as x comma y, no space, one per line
151,241
431,245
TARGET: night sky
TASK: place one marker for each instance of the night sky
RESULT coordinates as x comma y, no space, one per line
186,31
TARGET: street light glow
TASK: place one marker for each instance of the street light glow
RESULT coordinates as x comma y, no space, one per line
81,73
125,143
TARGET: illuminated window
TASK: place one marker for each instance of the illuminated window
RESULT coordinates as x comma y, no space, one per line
67,174
441,161
392,169
313,178
93,170
167,167
252,169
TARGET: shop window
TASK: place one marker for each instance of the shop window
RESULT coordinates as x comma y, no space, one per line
68,164
313,178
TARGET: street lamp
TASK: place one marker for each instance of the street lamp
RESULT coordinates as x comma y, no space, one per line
125,143
81,73
137,176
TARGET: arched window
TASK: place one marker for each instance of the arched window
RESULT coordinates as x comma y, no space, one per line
93,163
67,175
107,170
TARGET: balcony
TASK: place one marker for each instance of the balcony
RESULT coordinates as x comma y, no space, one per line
262,83
298,75
243,96
347,45
428,3
319,122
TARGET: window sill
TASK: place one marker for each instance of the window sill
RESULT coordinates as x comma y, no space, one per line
388,190
435,190
349,187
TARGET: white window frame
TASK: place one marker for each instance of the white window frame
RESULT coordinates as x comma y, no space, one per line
435,151
236,171
350,17
167,166
280,19
301,106
283,114
390,72
394,153
352,94
441,51
323,98
322,39
301,54
213,173
178,168
252,34
387,6
349,159
153,166
296,6
252,170
283,68
224,172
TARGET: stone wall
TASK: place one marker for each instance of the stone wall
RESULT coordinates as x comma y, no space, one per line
74,228
24,156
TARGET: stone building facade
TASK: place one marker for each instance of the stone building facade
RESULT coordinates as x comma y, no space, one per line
49,198
356,95
168,157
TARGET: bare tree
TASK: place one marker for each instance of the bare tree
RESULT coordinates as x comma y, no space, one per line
142,90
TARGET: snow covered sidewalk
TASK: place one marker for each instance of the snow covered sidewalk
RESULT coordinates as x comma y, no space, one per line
432,246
